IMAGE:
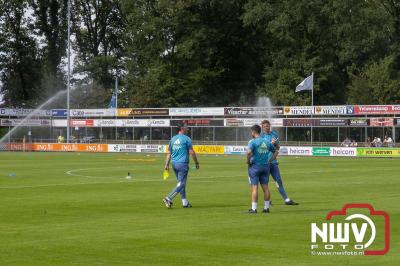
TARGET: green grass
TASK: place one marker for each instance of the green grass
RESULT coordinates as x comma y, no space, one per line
94,216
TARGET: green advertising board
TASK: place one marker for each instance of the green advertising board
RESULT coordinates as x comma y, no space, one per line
320,151
378,152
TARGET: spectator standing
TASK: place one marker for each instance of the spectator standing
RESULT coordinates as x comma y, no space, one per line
378,142
374,142
354,143
346,142
388,141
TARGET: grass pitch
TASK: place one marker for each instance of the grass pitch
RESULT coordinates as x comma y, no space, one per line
71,208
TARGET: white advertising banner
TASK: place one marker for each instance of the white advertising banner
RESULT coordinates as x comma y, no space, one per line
23,112
298,110
144,123
345,152
136,148
113,122
159,122
26,123
235,149
298,151
248,122
59,122
330,110
122,148
92,112
104,123
213,111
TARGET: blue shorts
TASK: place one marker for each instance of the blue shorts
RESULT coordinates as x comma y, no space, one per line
258,174
181,171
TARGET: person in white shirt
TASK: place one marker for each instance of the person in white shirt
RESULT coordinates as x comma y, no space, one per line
375,142
389,141
353,143
346,142
378,142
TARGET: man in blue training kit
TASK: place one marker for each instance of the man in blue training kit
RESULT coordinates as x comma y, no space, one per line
260,153
272,136
180,146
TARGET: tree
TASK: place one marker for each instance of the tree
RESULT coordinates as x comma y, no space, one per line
20,74
380,79
99,27
186,53
51,25
199,52
329,38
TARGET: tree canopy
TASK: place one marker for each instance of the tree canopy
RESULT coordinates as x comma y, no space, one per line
201,53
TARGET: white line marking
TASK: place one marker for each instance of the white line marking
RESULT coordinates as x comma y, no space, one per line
73,173
201,179
62,184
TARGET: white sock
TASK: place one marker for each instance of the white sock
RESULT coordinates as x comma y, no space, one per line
185,202
254,205
287,200
266,204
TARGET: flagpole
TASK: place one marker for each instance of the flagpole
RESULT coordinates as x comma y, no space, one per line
116,104
116,92
312,90
312,104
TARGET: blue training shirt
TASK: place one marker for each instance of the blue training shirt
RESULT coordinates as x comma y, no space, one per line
262,151
179,147
268,137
